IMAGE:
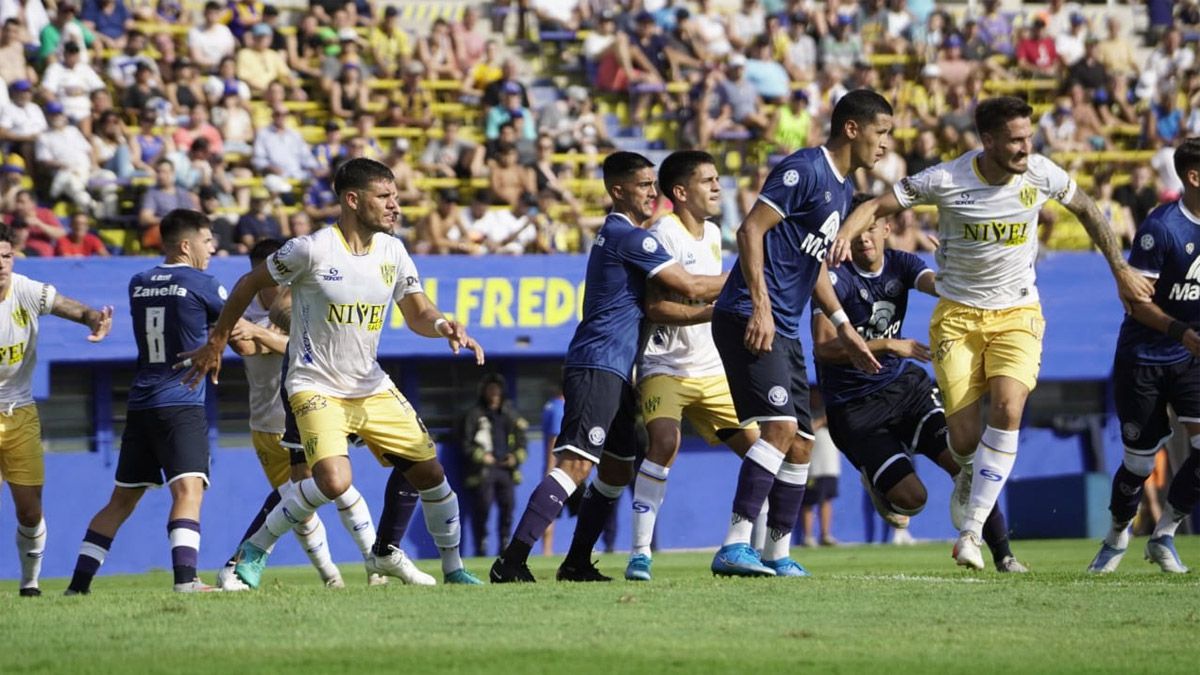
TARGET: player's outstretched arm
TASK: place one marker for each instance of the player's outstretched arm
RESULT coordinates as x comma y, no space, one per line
828,347
249,339
206,361
926,283
760,329
702,287
280,312
99,321
854,349
1152,316
427,320
1132,288
859,220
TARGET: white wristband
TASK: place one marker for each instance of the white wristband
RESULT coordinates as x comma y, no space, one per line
838,318
437,326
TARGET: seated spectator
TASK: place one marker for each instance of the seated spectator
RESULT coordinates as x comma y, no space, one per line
112,147
110,19
143,91
349,53
451,156
21,120
348,95
258,65
512,110
1070,45
841,47
1140,195
995,29
1166,65
122,68
39,224
469,39
307,46
708,31
1163,120
364,132
80,241
187,90
800,60
444,231
407,192
259,223
320,201
791,125
64,153
149,145
483,73
65,27
1088,123
924,153
1115,51
300,224
71,83
12,179
747,25
225,83
509,231
245,16
332,148
160,200
738,100
953,68
437,53
412,104
494,92
1089,72
211,41
556,15
507,179
1036,54
13,65
768,77
233,122
389,45
546,175
281,151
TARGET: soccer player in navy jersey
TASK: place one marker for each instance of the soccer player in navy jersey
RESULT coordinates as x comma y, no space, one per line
601,406
1158,364
880,420
782,244
166,430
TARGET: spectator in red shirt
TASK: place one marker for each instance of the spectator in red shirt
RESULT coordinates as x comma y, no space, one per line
44,228
80,242
1036,54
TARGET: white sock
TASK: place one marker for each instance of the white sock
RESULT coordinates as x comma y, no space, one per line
758,534
963,461
356,518
994,459
1168,522
31,544
1118,535
649,490
440,506
311,535
301,502
778,544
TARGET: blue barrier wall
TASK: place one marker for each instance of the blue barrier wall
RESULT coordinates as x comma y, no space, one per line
518,308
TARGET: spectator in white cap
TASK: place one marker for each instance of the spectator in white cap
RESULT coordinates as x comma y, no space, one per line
21,120
259,65
739,100
71,83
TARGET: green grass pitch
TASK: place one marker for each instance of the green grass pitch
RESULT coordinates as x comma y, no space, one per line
904,609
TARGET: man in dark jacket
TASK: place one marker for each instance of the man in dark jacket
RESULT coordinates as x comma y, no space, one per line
494,442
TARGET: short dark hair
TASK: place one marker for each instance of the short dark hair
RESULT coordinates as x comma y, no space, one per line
359,173
263,249
6,234
994,113
620,166
180,224
678,167
861,106
1187,157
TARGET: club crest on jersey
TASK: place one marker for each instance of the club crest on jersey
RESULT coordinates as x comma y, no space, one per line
791,177
891,288
596,436
828,196
649,244
777,395
20,317
1028,196
1190,248
1146,242
388,272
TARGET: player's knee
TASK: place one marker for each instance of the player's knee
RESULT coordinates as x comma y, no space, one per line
576,467
909,496
29,515
616,471
332,483
1006,411
1139,462
779,433
426,475
800,451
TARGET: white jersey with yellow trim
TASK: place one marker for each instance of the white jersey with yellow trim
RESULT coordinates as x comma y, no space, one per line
263,372
988,233
20,308
340,303
684,351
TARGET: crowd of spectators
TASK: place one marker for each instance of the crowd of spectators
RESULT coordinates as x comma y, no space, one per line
114,112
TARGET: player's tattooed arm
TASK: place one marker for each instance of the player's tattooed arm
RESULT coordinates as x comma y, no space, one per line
425,319
859,220
99,321
280,312
1152,316
1132,288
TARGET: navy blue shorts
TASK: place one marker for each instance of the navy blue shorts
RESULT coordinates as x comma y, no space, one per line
765,387
820,489
599,415
878,430
1142,394
160,445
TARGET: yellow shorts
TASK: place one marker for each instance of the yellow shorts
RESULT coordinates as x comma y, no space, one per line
704,401
21,447
386,422
971,346
275,459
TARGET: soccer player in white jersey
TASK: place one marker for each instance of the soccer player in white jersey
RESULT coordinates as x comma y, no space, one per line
680,372
22,302
343,279
986,332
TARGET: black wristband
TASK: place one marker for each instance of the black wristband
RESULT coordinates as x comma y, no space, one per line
1177,329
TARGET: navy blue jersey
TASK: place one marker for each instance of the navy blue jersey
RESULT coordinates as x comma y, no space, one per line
623,257
875,304
172,308
1167,248
813,200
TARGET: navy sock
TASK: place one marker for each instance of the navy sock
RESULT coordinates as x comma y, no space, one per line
1126,495
995,533
185,548
785,500
91,554
594,511
1184,493
544,505
399,501
753,485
